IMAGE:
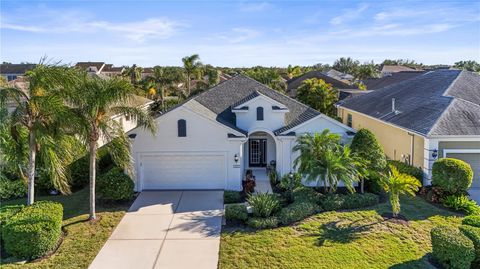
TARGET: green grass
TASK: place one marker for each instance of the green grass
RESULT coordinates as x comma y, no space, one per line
347,239
83,239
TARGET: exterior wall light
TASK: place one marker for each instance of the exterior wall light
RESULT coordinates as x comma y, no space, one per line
290,175
435,153
235,158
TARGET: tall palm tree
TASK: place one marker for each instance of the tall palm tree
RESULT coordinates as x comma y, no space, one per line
192,69
346,65
398,183
164,78
94,101
41,112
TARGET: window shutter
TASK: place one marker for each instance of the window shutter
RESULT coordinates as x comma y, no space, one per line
182,128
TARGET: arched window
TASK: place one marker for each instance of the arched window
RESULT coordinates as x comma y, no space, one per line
182,128
259,113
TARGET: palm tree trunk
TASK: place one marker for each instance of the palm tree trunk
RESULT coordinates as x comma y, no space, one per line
31,168
188,85
162,92
362,184
93,155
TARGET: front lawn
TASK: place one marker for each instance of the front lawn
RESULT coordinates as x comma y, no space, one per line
83,239
344,239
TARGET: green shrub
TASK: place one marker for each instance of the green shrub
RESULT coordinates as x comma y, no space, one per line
473,233
462,203
232,197
236,212
289,183
10,189
407,169
297,211
6,212
452,175
305,194
366,146
451,248
331,202
263,223
79,172
115,185
357,200
263,204
472,220
34,230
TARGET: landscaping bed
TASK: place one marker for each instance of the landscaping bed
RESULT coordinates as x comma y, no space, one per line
347,239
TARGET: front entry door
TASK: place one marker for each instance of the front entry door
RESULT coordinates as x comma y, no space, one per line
258,152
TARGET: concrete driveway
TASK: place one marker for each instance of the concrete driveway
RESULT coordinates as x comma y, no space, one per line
166,229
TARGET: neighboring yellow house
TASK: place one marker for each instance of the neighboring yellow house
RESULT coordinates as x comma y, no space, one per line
421,119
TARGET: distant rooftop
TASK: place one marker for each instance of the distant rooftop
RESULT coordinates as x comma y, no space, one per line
19,69
440,102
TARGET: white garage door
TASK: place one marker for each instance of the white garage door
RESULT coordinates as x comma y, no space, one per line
474,160
183,171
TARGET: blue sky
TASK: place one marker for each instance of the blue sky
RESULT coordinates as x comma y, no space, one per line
239,33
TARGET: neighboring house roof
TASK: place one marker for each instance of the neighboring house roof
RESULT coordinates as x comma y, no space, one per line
377,83
440,102
295,82
221,98
86,65
111,69
346,78
396,68
16,68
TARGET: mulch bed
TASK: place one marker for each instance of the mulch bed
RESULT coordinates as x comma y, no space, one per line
399,219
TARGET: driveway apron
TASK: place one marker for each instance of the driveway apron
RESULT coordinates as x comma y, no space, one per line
166,229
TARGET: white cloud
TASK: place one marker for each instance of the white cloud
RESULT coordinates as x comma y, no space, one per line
58,22
349,15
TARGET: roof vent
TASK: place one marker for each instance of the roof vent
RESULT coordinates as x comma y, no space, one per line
393,106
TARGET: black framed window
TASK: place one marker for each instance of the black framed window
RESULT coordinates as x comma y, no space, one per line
349,120
259,113
182,128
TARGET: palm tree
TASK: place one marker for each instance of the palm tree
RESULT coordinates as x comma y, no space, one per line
346,65
41,113
164,78
398,183
94,100
293,71
340,165
134,73
191,68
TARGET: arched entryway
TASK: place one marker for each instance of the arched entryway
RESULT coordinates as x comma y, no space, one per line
260,150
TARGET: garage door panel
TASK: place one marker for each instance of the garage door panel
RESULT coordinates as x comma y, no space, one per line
474,160
183,171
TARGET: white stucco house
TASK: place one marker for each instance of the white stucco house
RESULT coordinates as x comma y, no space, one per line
211,139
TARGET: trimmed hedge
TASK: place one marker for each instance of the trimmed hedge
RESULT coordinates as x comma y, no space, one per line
232,197
407,169
34,230
305,194
80,168
297,211
6,212
10,189
263,223
332,202
115,185
452,175
452,248
474,234
473,220
236,212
